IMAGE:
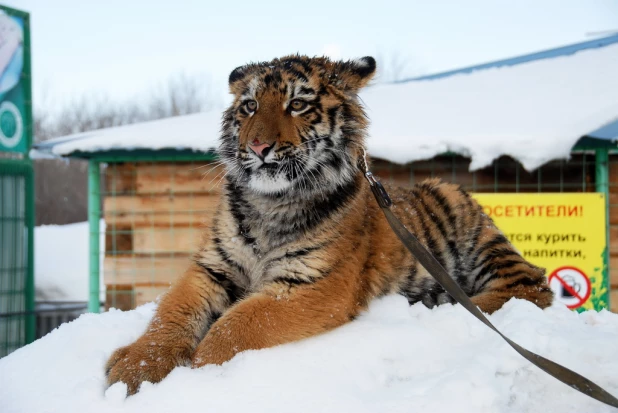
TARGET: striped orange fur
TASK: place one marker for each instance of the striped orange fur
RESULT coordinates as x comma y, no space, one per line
299,246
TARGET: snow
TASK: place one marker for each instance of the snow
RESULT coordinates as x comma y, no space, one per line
534,111
393,358
197,132
61,266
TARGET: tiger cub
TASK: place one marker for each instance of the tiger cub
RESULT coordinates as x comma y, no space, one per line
299,245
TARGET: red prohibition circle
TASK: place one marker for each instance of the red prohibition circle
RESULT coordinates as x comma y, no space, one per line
588,292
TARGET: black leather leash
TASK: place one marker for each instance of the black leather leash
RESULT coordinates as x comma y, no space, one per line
433,267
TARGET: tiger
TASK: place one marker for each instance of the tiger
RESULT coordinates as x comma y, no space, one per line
298,245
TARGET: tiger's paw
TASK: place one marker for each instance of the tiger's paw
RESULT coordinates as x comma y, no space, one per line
217,348
144,361
208,352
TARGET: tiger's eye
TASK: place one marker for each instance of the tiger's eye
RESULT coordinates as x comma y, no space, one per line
251,105
298,104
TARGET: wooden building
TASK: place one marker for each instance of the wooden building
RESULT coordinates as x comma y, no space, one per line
155,213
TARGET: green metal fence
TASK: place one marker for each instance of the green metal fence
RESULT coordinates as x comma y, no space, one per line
147,198
504,175
613,228
17,319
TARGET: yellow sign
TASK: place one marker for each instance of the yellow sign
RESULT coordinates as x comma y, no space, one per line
564,233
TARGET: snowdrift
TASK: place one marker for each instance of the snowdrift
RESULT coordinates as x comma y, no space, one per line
394,358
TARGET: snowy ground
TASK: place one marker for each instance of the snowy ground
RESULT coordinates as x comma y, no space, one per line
61,261
395,358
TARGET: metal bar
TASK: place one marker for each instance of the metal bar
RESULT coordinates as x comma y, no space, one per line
29,181
584,172
496,166
602,186
151,158
35,312
27,82
94,216
30,218
171,157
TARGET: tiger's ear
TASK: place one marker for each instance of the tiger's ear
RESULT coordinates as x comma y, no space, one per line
236,77
236,74
355,74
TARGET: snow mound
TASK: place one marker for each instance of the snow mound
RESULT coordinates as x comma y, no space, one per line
393,358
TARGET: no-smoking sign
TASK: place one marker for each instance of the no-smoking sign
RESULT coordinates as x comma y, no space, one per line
571,286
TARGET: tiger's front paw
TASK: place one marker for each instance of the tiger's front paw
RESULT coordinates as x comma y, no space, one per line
144,360
219,345
212,351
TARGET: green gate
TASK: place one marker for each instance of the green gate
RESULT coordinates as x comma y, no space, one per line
17,320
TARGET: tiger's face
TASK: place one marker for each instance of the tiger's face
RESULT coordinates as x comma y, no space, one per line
295,124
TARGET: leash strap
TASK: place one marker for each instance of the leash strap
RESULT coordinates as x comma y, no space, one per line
433,267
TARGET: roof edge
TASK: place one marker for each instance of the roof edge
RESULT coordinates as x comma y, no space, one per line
591,143
545,54
143,155
608,131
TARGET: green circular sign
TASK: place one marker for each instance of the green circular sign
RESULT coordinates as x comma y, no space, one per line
11,125
8,124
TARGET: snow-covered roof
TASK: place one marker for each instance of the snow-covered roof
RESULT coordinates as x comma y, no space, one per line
197,132
534,108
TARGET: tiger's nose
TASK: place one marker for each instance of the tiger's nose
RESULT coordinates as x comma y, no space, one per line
260,149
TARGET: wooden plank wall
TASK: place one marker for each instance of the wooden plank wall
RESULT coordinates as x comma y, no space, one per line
156,214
